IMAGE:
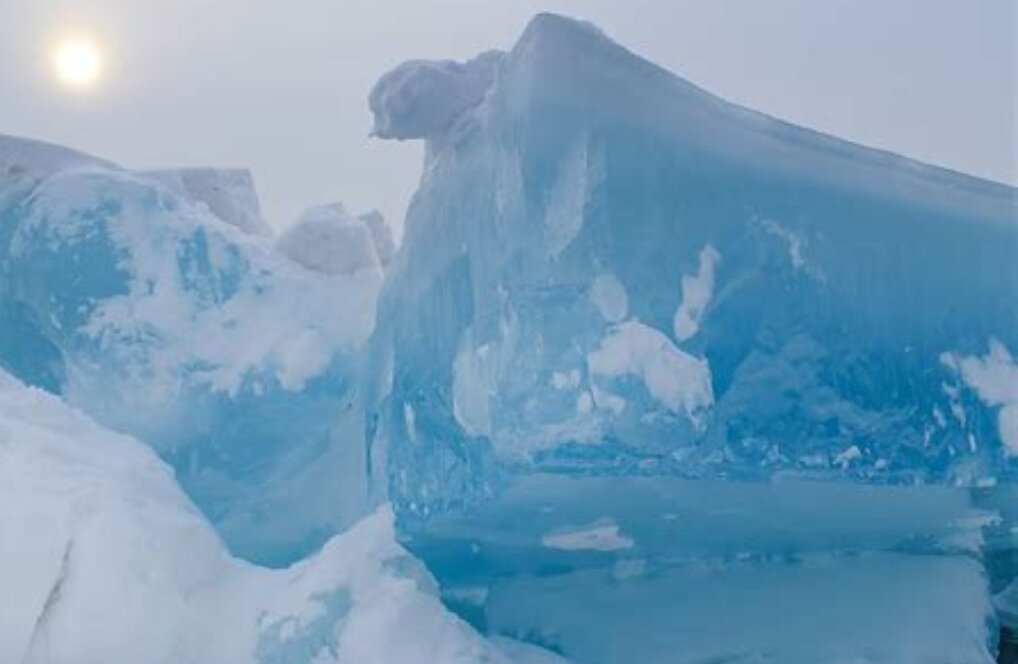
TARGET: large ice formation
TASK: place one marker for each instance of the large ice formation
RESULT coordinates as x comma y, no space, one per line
615,295
607,270
164,312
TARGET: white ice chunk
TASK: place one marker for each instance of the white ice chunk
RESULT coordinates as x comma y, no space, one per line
423,98
328,239
697,291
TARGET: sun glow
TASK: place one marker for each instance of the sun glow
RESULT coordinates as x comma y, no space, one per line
78,63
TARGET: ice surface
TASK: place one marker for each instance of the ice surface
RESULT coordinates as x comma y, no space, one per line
736,296
657,378
164,321
105,561
616,570
381,234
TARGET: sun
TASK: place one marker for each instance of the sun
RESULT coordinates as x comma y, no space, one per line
78,63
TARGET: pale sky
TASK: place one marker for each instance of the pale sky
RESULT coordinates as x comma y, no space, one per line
280,86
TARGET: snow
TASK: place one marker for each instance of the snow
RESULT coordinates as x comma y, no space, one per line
111,564
229,194
423,98
677,380
994,377
697,291
329,240
603,536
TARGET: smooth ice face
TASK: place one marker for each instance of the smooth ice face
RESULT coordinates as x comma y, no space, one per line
143,306
103,560
609,271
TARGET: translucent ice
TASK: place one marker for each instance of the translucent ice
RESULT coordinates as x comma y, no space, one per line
617,296
161,312
607,270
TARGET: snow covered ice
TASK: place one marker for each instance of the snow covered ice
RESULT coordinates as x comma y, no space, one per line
651,378
105,561
170,315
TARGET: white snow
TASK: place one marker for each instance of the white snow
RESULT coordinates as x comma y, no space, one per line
229,194
994,378
328,239
677,380
251,310
423,98
609,296
697,291
601,536
34,160
104,561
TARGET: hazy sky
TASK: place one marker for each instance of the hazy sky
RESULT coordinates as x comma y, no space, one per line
280,86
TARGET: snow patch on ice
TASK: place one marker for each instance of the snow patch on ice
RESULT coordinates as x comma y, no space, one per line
697,291
229,194
677,380
424,98
328,239
994,378
609,296
601,536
